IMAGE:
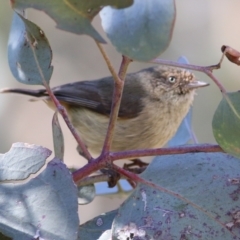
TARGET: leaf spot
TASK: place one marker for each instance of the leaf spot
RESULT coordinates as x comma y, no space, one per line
99,222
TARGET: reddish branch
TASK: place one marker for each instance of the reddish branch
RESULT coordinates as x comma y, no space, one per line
101,161
60,108
165,151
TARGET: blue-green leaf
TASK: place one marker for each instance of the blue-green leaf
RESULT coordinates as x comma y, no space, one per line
29,53
58,139
45,207
226,124
72,16
98,226
22,160
197,198
142,31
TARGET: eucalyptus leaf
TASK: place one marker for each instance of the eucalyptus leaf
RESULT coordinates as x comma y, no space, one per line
45,207
226,124
22,160
98,227
72,16
142,31
58,139
196,197
29,53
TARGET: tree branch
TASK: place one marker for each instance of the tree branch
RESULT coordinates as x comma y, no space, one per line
165,151
61,109
116,99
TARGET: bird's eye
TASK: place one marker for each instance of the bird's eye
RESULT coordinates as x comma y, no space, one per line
172,79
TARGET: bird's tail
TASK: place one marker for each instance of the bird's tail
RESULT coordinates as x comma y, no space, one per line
33,93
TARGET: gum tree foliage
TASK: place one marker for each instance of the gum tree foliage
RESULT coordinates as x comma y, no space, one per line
184,196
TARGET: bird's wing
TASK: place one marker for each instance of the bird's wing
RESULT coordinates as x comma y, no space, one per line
97,96
84,94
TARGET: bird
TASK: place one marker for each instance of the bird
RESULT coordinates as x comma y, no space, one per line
154,103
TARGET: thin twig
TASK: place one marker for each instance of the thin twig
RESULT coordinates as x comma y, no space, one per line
93,179
165,151
101,161
116,102
221,60
108,62
124,66
223,90
116,99
105,178
113,156
60,108
183,65
220,86
88,169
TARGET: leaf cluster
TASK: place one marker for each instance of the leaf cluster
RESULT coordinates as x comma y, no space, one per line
188,192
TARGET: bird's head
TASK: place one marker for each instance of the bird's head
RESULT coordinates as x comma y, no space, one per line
174,83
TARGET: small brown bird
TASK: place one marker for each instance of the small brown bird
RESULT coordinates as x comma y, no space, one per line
154,102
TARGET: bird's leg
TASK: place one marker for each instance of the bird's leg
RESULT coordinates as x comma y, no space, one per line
135,162
113,176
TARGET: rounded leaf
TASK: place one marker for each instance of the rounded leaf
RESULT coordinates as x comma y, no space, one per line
142,31
226,124
196,197
72,16
98,226
22,160
45,207
29,53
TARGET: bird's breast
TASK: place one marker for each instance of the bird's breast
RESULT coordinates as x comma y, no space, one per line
152,128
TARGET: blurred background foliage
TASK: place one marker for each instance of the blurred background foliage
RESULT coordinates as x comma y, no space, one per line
201,28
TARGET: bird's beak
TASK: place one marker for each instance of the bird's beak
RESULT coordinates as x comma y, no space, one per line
196,84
